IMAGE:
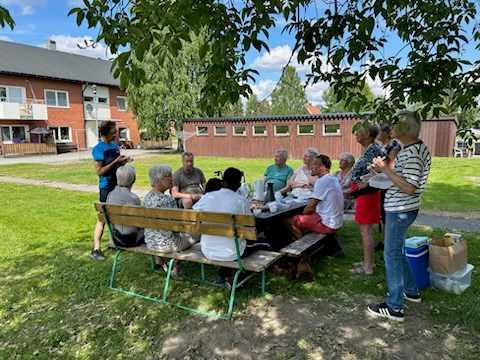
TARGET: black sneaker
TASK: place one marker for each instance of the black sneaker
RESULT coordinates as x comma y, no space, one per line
97,255
383,310
412,298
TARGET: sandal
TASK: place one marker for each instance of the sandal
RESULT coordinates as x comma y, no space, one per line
360,271
360,264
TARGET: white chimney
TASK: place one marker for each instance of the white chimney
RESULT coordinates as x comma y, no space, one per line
51,45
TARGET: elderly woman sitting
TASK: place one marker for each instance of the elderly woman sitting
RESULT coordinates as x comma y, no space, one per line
302,181
346,162
123,235
164,240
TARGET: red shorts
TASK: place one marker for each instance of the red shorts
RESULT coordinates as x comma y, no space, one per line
367,208
312,222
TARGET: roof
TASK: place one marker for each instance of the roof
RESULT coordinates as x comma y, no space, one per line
304,117
19,59
312,109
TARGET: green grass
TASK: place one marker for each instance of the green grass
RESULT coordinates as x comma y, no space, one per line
55,301
453,185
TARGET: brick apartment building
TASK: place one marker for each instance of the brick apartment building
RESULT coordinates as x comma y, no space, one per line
67,95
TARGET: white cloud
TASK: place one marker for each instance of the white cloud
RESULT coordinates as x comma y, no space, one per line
27,10
5,38
70,44
264,88
27,7
277,58
314,93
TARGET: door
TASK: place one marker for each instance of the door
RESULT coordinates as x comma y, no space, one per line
92,133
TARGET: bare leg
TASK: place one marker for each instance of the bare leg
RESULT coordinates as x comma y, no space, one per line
366,231
97,235
187,203
289,223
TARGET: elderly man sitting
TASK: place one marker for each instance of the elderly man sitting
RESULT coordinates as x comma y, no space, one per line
279,172
188,182
324,212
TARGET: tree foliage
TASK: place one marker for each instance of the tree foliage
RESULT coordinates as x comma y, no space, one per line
289,97
172,92
255,107
334,104
6,18
233,109
344,43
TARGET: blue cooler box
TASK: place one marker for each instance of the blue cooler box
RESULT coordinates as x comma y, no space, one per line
418,258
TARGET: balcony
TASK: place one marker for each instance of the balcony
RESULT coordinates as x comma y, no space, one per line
28,109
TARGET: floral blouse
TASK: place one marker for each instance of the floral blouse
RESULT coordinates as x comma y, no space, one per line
360,168
157,239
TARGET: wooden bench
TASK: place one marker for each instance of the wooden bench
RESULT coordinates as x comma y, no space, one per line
237,226
304,250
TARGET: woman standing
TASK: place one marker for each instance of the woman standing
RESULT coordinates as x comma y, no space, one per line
402,203
346,162
367,199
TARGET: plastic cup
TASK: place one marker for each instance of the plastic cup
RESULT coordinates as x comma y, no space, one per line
273,208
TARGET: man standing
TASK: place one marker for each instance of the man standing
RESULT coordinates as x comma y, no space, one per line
107,159
324,212
279,172
188,182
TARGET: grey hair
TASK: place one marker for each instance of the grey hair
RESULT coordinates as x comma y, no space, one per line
413,125
187,154
126,176
312,151
372,128
349,157
158,172
283,153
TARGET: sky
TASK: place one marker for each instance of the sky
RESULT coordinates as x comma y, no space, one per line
40,20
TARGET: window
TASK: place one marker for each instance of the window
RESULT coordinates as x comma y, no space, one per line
56,98
305,129
220,131
12,94
14,134
121,103
102,100
239,131
202,131
259,130
123,134
61,133
281,130
331,130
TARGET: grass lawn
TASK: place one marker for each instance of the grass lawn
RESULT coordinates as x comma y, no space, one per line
56,303
453,185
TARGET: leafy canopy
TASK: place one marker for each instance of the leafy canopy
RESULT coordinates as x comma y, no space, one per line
6,18
343,42
334,104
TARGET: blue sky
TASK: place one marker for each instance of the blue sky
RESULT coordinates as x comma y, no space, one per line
40,20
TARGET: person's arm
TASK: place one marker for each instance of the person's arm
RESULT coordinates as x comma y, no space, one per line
311,206
397,180
101,169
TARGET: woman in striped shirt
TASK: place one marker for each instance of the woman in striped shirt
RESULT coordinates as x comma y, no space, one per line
402,202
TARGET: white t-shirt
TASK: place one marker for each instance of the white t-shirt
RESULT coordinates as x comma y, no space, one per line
327,189
222,248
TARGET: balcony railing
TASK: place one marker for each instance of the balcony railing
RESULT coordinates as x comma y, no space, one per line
24,109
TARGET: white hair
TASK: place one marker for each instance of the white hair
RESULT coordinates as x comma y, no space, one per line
126,176
158,172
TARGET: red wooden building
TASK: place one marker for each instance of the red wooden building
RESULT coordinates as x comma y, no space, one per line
330,133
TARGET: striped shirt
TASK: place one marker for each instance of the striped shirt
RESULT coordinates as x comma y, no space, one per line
413,164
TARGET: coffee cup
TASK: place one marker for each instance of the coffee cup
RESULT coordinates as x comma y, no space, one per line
273,207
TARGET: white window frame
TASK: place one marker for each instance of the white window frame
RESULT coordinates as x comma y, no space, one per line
282,134
58,131
265,132
312,133
124,98
244,131
215,133
338,133
9,99
56,98
127,138
202,133
25,127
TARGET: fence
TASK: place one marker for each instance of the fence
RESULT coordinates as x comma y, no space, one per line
28,149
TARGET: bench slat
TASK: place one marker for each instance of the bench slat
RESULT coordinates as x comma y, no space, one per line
257,261
177,214
298,247
247,233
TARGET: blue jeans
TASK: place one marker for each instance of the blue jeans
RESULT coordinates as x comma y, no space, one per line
399,273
